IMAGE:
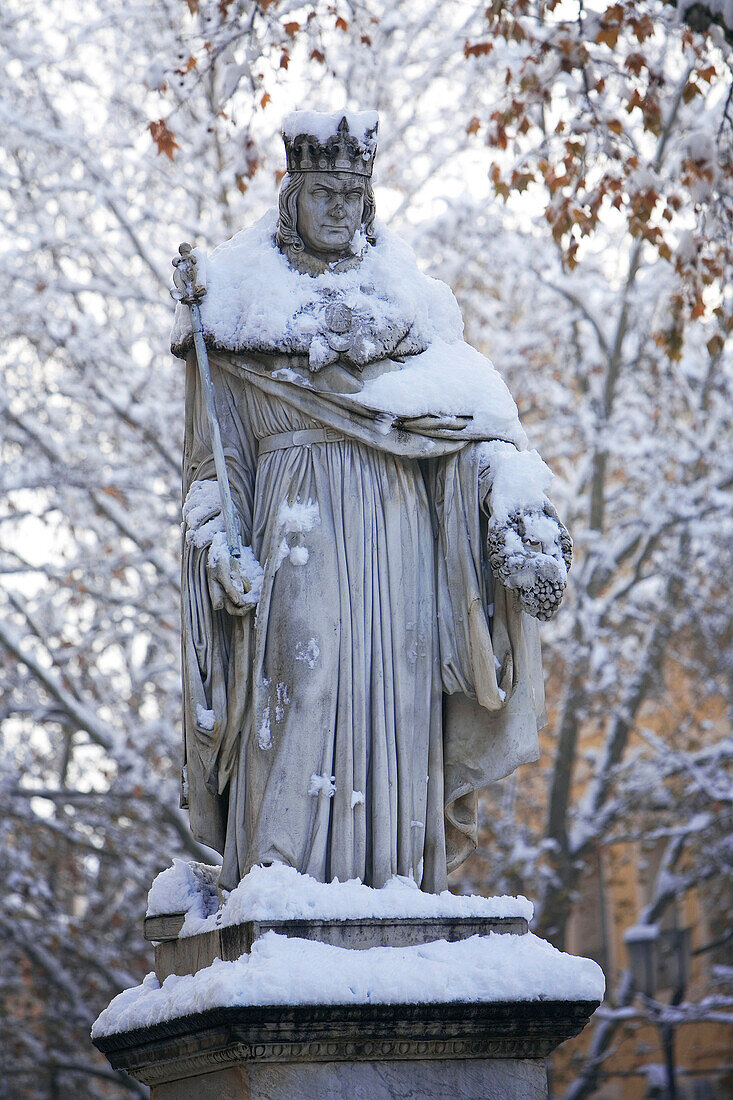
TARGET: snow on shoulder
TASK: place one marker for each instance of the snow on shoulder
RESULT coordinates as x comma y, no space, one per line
257,302
287,971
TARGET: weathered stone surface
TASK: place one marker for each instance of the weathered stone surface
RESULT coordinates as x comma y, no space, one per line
163,926
436,1079
232,1083
191,953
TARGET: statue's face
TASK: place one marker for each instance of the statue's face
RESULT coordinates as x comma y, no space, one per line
330,210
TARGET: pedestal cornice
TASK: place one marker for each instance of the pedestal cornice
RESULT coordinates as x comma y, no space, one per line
230,1036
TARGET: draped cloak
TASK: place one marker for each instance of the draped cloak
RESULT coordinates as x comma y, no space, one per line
381,683
345,726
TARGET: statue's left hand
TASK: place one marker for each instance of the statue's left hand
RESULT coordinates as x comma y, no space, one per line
228,585
531,552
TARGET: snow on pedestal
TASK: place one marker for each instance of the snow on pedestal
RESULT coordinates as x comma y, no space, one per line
282,893
290,971
295,1016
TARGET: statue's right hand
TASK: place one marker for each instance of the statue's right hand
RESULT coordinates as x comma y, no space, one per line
228,585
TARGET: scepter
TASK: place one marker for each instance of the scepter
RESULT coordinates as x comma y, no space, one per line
190,291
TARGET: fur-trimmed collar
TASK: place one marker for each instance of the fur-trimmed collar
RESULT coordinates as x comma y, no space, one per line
370,307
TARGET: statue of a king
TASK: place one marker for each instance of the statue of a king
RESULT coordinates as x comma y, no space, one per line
371,660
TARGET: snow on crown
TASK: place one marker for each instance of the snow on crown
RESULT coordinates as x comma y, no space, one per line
344,141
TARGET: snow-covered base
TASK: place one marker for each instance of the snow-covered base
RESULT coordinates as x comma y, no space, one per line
288,971
281,893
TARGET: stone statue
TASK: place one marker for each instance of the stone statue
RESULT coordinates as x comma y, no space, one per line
370,660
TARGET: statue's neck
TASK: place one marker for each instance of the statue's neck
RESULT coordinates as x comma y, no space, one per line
308,264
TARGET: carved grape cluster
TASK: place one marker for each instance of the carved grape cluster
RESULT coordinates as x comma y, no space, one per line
529,569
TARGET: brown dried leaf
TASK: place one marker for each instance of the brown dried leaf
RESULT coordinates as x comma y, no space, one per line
643,27
607,36
164,138
715,344
477,49
690,91
635,62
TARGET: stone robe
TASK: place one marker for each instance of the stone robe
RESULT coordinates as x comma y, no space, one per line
385,677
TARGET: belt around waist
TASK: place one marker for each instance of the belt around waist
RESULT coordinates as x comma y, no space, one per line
302,438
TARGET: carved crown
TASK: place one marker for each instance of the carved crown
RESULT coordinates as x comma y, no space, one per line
342,151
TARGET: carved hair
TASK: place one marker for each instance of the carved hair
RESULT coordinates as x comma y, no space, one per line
287,235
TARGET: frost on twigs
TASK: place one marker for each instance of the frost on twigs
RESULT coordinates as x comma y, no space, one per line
531,553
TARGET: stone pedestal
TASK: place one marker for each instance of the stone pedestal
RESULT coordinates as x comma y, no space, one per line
476,1051
445,1050
176,954
501,1079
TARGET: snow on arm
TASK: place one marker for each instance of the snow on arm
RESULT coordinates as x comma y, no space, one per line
517,479
529,549
202,513
202,501
449,379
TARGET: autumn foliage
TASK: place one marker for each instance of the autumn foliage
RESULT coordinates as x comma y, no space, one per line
588,113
